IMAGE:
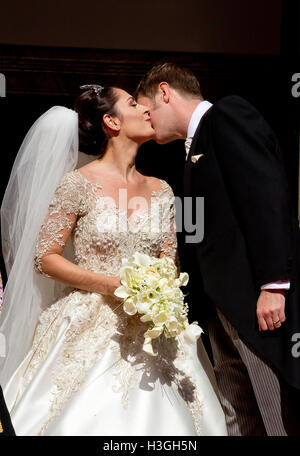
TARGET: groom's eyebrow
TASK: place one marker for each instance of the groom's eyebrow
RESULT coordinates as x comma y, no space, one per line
130,98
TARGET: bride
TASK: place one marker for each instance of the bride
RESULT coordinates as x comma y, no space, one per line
74,362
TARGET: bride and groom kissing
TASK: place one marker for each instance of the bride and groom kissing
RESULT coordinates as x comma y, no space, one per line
246,270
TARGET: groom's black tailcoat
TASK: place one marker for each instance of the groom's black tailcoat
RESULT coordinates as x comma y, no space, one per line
251,234
6,428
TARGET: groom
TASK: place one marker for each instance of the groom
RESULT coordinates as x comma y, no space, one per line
248,260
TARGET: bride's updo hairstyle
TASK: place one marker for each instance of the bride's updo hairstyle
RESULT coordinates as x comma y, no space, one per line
91,106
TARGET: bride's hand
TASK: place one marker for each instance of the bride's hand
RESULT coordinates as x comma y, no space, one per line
112,284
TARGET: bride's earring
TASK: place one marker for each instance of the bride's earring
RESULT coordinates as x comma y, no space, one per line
113,124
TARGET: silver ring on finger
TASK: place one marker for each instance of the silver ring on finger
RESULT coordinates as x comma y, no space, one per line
277,323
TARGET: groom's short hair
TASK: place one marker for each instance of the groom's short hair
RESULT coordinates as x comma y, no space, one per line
177,77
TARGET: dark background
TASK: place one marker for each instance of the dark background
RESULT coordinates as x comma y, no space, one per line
214,26
249,48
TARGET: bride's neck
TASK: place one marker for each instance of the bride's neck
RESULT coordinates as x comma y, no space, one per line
119,158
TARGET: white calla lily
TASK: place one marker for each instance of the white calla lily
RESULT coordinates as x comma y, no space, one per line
146,318
147,347
141,259
127,276
129,307
183,279
143,306
154,332
162,317
172,324
122,292
163,283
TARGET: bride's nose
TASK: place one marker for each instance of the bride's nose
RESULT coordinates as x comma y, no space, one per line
145,109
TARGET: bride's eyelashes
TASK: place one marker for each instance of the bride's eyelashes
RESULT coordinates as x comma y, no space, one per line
132,102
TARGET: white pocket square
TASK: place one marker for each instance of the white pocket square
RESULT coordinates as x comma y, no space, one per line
195,158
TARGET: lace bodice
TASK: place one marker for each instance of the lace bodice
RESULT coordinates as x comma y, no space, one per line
101,233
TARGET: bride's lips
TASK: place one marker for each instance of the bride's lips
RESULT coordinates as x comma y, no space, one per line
149,120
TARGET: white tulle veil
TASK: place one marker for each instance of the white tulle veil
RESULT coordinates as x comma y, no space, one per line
49,150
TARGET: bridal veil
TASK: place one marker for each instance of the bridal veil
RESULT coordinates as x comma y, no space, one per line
49,150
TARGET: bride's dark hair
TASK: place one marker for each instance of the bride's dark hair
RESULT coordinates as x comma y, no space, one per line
91,106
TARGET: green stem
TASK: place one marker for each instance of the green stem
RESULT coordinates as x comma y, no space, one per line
121,303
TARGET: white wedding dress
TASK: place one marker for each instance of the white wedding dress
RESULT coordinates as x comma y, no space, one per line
86,373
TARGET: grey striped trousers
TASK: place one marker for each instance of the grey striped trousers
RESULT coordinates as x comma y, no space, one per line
249,389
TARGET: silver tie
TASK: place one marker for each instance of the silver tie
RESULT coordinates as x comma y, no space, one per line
187,144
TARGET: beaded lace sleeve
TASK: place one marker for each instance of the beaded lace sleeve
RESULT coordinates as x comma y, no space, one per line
60,220
169,246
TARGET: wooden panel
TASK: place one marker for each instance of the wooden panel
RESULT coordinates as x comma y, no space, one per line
56,71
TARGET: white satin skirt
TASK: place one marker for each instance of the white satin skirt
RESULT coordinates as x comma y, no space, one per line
109,403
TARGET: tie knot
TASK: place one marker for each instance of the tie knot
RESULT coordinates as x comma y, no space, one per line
187,144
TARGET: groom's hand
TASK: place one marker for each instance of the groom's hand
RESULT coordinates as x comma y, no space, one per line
270,309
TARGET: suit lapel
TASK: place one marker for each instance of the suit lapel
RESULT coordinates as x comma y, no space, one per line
189,163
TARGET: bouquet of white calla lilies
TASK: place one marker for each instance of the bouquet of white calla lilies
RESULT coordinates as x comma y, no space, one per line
150,288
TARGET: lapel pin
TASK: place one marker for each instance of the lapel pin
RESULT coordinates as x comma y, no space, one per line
195,158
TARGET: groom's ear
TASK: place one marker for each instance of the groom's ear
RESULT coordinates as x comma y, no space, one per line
164,91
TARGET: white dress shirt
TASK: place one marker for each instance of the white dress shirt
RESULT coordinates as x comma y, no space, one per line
197,115
201,109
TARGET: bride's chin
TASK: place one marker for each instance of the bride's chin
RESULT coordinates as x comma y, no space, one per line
148,138
159,139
